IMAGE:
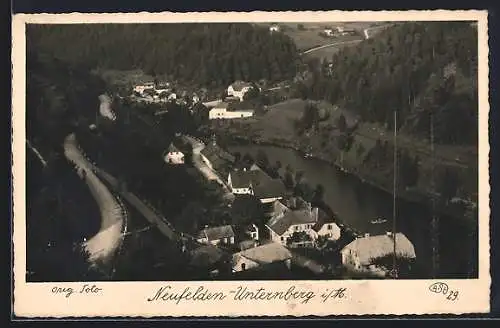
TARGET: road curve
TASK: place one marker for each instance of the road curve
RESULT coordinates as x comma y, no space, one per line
330,45
107,241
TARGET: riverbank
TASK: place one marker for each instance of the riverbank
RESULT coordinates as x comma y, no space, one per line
413,195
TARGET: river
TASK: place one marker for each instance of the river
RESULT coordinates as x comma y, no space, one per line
357,203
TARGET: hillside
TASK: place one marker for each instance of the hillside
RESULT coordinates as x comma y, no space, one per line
205,54
414,69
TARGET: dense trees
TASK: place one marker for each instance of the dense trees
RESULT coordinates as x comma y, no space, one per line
205,54
417,69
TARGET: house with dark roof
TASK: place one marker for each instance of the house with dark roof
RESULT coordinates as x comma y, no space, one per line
238,89
217,158
360,254
256,182
173,155
216,235
259,256
311,222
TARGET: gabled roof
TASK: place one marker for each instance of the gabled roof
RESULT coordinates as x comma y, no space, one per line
269,189
373,247
239,85
207,256
262,184
323,218
172,148
280,224
219,158
216,233
265,254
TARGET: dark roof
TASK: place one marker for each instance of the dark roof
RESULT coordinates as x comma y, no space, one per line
323,218
262,184
217,233
269,188
172,148
238,85
206,256
219,158
281,223
243,179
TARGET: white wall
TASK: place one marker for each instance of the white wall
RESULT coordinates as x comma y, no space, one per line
222,113
175,158
333,233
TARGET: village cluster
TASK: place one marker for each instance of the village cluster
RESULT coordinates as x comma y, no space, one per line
290,223
163,92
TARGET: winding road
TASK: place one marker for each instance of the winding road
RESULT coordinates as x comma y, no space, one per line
107,241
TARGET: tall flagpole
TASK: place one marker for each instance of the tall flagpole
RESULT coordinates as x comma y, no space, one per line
394,197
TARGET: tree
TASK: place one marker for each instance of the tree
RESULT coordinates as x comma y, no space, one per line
448,184
319,193
261,159
246,209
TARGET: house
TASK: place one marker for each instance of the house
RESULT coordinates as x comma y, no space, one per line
328,32
256,182
274,28
222,111
195,99
140,88
217,158
253,231
256,257
359,255
238,89
326,226
216,235
313,222
283,226
174,155
172,96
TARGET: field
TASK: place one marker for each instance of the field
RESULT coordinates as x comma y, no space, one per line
309,37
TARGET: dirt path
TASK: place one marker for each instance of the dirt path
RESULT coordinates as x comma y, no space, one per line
107,241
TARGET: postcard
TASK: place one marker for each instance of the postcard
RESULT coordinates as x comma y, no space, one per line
250,164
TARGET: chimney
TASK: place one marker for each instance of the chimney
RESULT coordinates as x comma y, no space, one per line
367,235
316,214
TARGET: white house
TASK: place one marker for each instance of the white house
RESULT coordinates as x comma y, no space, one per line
253,231
140,88
255,257
256,182
328,32
358,256
311,221
216,235
221,111
174,155
238,89
274,28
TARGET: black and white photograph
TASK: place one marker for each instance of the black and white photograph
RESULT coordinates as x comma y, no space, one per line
252,151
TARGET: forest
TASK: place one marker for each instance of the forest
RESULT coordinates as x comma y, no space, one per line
424,71
204,54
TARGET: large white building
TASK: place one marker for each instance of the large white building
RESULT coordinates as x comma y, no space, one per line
358,256
221,111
